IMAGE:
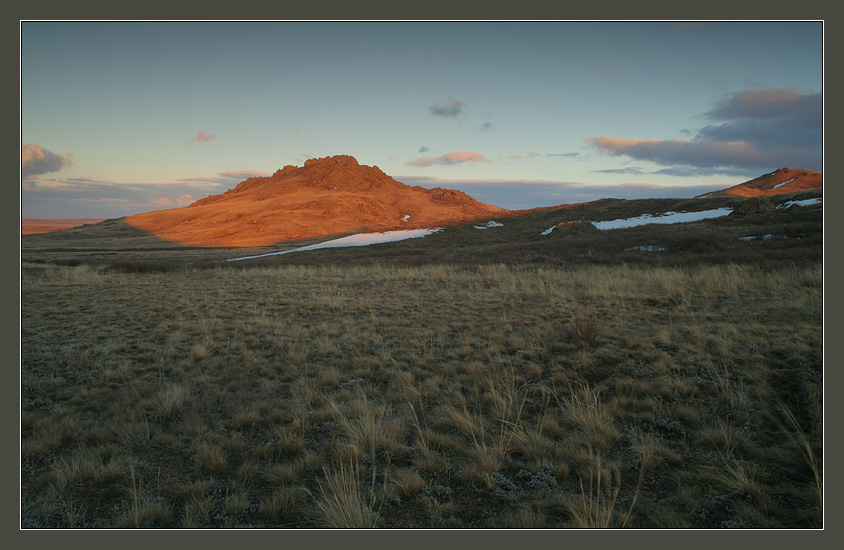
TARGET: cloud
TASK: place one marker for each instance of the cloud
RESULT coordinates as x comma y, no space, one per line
632,170
423,149
181,200
523,194
449,159
223,178
90,198
35,160
201,137
485,127
755,129
449,108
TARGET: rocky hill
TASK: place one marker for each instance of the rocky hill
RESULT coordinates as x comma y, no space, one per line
326,196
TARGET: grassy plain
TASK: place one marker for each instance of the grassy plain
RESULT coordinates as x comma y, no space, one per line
397,388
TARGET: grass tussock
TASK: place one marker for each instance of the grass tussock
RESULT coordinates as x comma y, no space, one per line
439,396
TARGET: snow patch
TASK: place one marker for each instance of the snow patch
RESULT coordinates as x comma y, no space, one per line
648,248
359,239
783,183
664,218
805,202
489,224
767,237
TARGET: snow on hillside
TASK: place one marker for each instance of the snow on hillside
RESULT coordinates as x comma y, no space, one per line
665,218
783,183
806,202
489,224
359,239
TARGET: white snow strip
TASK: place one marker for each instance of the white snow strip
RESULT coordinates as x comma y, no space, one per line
359,239
648,248
665,218
806,202
548,231
766,237
783,183
489,224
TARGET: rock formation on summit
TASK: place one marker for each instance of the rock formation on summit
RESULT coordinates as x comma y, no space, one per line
326,196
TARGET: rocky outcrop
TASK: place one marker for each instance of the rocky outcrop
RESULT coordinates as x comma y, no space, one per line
754,208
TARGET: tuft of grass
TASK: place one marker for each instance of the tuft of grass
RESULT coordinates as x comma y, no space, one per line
342,503
596,506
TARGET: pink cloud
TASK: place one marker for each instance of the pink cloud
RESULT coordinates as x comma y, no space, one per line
449,159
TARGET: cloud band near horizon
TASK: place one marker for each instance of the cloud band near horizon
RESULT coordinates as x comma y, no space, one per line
755,129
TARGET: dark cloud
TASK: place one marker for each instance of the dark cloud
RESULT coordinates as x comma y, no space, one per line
201,137
35,160
449,108
423,149
756,129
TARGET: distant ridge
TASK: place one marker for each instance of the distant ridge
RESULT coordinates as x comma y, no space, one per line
326,196
783,180
34,226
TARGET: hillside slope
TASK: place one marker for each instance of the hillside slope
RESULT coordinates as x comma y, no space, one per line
783,180
326,196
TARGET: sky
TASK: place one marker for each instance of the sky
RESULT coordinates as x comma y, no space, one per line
119,118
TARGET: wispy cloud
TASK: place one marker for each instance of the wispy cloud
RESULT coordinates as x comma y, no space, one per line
181,200
448,108
201,137
756,129
424,149
485,127
223,178
449,159
632,170
35,160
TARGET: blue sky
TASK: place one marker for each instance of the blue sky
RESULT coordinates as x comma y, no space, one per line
119,118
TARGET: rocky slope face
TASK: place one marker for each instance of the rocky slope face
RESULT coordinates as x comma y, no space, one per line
784,180
326,196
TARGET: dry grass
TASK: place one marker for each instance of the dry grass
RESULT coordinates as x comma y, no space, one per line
448,395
